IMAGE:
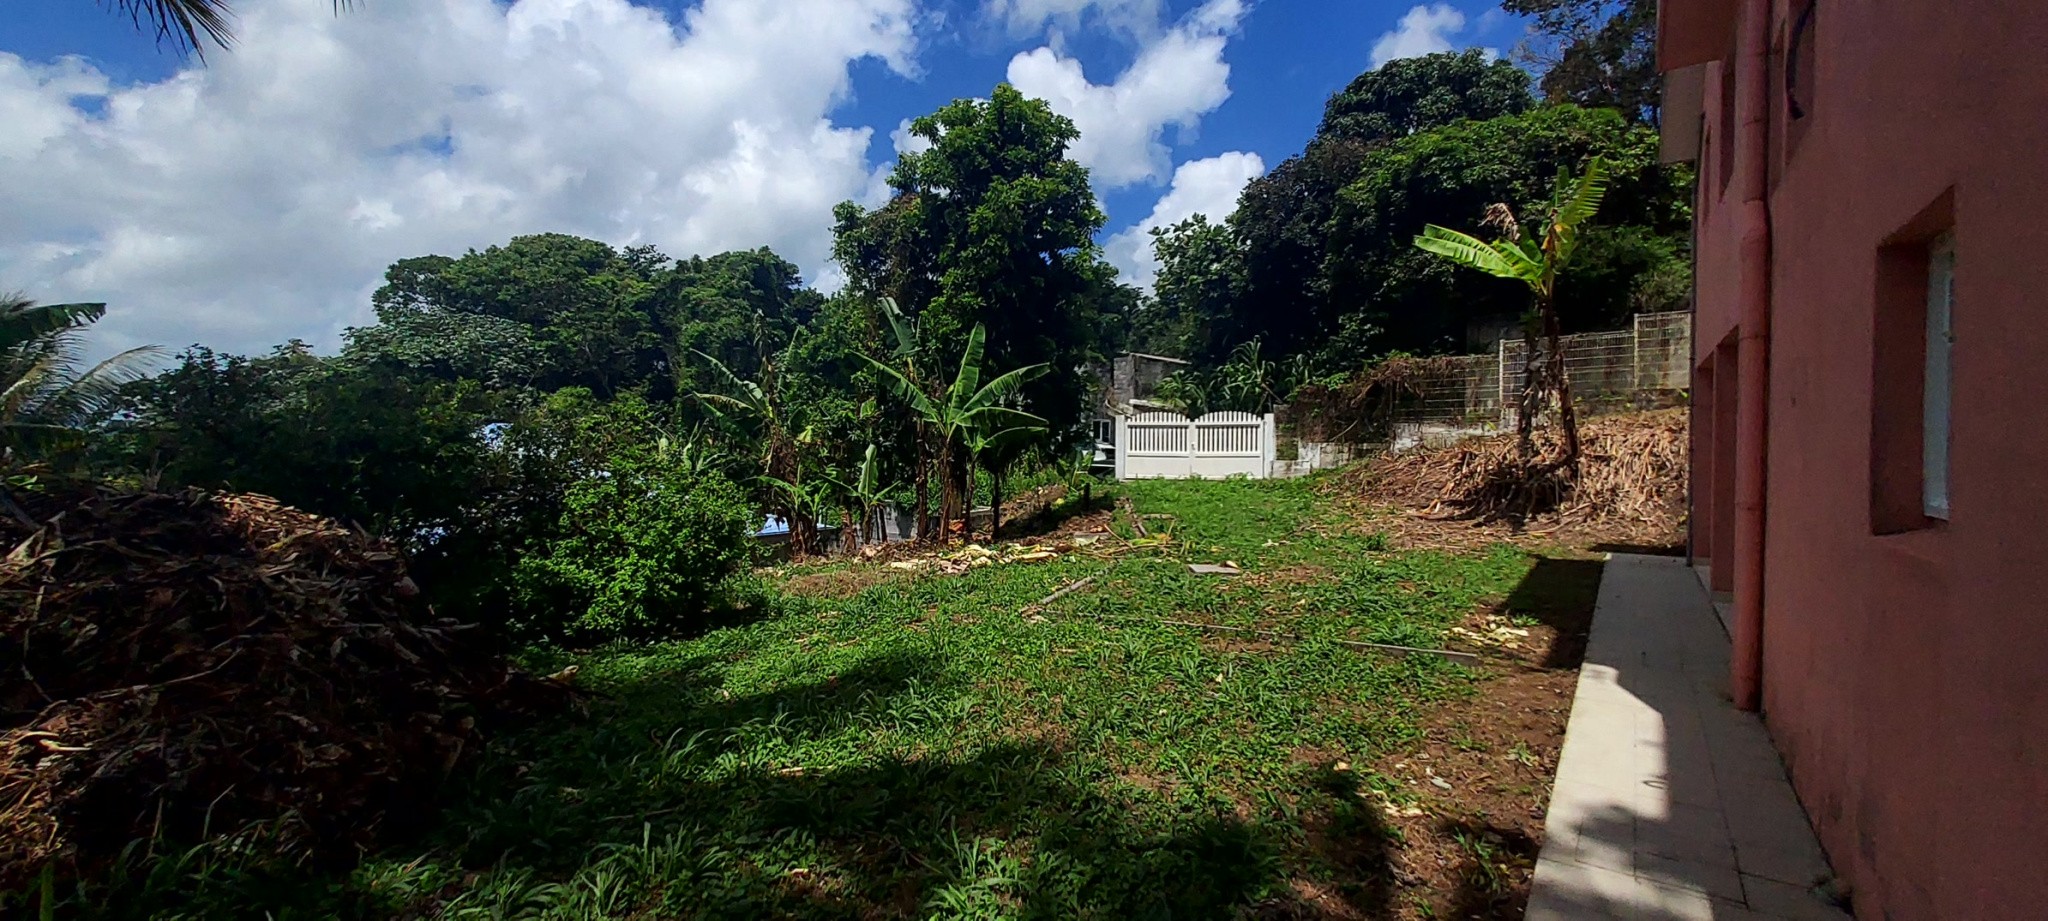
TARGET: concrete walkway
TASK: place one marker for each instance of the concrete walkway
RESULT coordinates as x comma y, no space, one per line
1669,803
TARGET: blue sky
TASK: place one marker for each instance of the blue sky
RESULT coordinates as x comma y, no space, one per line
257,197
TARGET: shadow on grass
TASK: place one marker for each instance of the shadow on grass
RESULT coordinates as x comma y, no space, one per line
1019,828
675,801
1560,592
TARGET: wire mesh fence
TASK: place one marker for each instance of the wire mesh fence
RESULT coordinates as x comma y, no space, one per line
1647,364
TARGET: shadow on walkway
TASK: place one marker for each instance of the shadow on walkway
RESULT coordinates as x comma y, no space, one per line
1669,804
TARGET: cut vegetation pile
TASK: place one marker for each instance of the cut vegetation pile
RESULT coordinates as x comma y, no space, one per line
174,664
1631,485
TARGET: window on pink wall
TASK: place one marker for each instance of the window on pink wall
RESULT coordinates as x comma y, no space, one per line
1913,354
1724,139
1934,403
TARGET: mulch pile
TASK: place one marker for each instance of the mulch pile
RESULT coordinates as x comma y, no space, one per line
1631,485
174,665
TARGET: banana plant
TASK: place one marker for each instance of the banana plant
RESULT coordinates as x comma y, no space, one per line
781,462
995,450
1536,261
960,407
863,492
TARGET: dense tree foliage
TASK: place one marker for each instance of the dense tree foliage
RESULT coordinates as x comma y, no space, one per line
993,224
553,310
1597,53
1201,278
1414,302
1316,260
1412,95
1282,219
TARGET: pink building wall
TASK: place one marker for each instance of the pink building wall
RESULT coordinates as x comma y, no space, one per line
1905,675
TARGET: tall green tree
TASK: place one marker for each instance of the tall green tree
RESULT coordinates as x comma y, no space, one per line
551,310
1596,53
1412,95
1282,218
993,225
585,303
1404,299
1201,276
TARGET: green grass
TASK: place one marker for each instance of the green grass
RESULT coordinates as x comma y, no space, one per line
921,749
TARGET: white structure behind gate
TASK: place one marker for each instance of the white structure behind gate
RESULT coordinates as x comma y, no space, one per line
1170,445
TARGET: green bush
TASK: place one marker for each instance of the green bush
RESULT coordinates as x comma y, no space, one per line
641,548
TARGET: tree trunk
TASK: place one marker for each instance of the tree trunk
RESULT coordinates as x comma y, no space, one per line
1532,388
922,513
995,503
949,492
1560,383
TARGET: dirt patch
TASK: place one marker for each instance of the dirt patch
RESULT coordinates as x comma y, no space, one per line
1450,826
1238,644
841,583
1478,784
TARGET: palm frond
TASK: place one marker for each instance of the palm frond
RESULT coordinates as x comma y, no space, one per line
905,389
901,327
184,23
985,417
23,320
73,399
1003,387
1468,250
751,398
968,381
1583,199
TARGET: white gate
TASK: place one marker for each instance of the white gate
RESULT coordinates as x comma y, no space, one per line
1218,445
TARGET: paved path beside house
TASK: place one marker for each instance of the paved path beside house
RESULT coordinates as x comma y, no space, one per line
1669,803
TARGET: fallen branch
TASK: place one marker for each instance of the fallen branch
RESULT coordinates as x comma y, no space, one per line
1073,586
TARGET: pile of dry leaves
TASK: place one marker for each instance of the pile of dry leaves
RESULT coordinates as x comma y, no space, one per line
1631,485
178,664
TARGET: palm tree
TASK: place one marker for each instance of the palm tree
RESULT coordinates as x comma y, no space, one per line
1536,264
184,23
47,392
959,409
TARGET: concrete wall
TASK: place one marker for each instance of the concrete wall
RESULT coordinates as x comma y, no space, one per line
1905,665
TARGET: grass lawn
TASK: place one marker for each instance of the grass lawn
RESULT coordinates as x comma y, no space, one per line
890,744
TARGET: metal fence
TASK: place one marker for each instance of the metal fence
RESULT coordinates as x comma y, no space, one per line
1645,364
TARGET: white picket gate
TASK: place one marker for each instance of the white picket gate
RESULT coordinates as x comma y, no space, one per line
1170,445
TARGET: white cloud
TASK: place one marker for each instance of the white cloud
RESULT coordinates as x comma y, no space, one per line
905,142
1176,79
1027,17
1207,187
1424,29
260,197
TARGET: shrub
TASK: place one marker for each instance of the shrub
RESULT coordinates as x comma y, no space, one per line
643,547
